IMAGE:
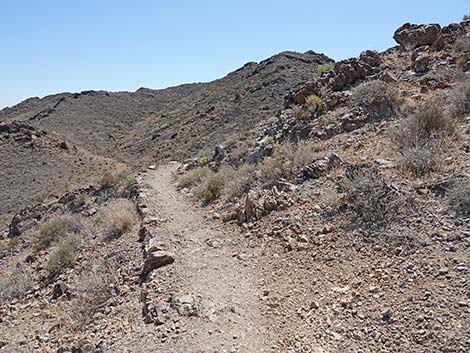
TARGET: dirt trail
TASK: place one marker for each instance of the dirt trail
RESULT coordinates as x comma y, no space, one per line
211,265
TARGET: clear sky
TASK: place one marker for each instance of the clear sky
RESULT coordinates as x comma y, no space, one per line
50,46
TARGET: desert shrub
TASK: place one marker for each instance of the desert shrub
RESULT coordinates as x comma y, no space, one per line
421,160
462,45
58,228
371,201
107,179
428,124
210,188
62,255
287,160
203,161
94,287
321,69
15,284
330,197
126,179
300,112
459,197
193,177
118,218
459,100
123,178
313,101
237,181
41,197
378,97
5,220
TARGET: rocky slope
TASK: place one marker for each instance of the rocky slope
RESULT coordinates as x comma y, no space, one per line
344,215
169,123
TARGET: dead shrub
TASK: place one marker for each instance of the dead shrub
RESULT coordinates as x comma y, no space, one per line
421,160
370,200
94,287
15,284
62,255
427,125
378,98
459,197
118,218
459,100
58,228
287,160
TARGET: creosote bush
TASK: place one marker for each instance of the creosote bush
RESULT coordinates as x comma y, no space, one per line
378,97
63,254
15,284
118,218
58,228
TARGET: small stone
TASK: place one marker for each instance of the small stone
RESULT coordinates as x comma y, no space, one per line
443,271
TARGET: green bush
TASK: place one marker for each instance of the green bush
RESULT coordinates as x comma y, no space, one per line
210,189
321,69
63,254
58,228
203,161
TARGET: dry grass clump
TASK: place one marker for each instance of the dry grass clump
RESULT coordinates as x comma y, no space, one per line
459,197
58,228
378,97
15,284
94,287
287,160
118,218
63,254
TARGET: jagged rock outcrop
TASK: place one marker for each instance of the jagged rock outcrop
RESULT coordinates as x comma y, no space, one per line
411,36
345,73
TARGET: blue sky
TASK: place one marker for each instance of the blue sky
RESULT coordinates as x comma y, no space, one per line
54,46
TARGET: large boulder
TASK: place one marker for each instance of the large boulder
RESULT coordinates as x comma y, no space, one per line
411,36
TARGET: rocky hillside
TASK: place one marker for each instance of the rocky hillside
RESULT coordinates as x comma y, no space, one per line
171,123
36,165
336,220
